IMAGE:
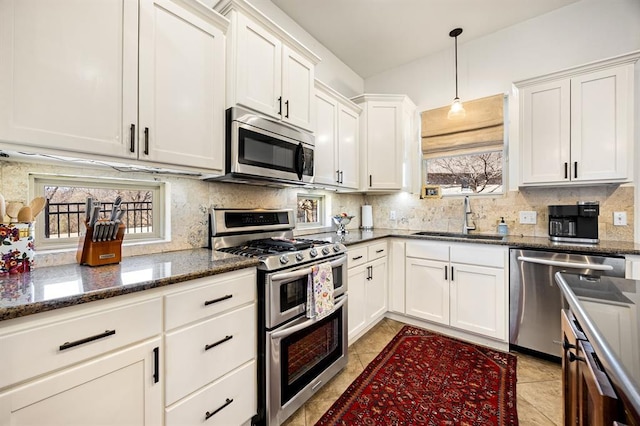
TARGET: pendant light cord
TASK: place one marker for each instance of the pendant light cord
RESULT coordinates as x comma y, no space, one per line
456,62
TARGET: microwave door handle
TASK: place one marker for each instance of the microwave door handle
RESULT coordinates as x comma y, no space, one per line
289,331
575,265
299,166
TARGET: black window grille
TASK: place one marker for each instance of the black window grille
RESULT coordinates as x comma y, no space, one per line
64,220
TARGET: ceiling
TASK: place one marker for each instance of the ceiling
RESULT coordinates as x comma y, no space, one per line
372,36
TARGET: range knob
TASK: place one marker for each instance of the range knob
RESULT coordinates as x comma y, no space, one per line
299,256
284,259
325,250
313,252
336,248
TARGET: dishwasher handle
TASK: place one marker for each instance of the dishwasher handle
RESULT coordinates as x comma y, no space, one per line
574,265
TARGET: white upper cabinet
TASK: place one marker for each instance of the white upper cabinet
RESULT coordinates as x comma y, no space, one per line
268,70
181,101
69,76
337,135
576,126
385,126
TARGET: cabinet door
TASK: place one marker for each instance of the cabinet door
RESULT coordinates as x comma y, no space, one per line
181,87
427,288
348,140
598,403
117,389
376,290
478,300
258,68
325,154
297,89
600,124
545,132
68,74
383,147
357,315
570,368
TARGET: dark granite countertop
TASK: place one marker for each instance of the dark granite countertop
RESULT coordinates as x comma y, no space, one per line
594,302
48,288
45,289
604,247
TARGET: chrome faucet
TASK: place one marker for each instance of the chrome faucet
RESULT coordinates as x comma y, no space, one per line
467,212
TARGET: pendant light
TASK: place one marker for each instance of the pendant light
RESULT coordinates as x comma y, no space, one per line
457,110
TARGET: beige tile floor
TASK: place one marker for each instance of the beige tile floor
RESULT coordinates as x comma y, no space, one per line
539,387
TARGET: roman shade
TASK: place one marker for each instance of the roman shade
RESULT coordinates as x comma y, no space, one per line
481,130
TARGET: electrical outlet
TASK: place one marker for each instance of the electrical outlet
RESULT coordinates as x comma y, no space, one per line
528,217
620,218
392,215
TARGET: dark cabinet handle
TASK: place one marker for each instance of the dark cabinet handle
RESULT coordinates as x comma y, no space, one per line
566,170
146,141
573,357
219,299
156,365
287,105
566,346
356,258
68,345
280,105
446,269
341,177
370,180
208,415
379,251
338,176
219,342
132,131
452,273
575,169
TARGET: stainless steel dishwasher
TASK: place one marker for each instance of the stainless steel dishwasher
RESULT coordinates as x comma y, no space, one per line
535,300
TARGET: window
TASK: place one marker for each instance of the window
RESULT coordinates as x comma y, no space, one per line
62,219
465,156
310,213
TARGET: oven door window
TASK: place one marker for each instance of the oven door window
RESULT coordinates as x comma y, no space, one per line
308,352
294,293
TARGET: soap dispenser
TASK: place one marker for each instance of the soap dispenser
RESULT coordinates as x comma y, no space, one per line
502,227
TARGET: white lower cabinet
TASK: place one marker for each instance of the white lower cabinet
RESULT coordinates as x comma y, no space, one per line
459,286
116,389
367,277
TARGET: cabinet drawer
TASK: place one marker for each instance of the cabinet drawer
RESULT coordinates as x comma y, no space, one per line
65,342
210,296
357,256
377,250
199,354
476,254
235,392
428,250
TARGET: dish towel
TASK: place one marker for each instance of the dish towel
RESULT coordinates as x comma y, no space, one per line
320,291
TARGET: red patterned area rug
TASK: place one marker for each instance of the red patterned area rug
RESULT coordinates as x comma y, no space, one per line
425,378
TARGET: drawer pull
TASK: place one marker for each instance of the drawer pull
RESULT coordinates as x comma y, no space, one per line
208,415
356,258
219,342
68,345
379,251
219,299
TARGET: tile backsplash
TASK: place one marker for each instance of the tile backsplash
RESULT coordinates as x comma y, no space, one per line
190,199
446,214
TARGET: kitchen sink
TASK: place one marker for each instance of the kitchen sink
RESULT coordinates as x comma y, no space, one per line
459,235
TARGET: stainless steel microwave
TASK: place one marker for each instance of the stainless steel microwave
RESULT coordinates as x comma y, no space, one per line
261,149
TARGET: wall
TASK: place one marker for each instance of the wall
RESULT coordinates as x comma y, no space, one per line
189,199
582,32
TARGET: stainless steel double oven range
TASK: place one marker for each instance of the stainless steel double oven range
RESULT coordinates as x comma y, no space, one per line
296,355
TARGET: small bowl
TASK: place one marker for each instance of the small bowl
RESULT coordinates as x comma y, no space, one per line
342,220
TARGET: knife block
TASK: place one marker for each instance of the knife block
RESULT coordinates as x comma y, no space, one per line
97,253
